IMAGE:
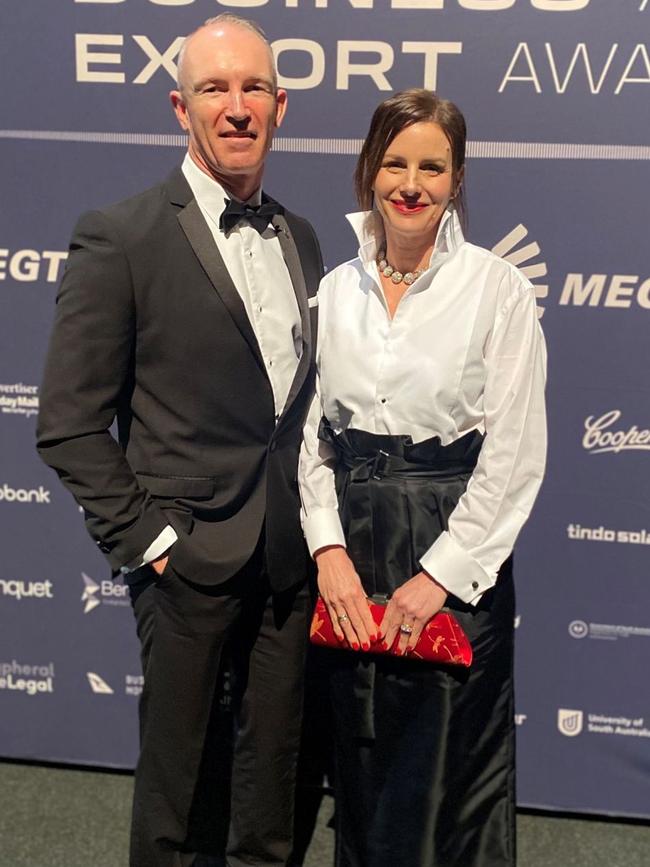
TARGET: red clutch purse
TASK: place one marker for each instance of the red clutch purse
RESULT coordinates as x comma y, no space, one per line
442,640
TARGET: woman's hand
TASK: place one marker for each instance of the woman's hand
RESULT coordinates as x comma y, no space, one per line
411,605
341,590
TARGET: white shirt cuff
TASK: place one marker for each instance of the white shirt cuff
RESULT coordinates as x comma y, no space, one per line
456,570
322,528
157,548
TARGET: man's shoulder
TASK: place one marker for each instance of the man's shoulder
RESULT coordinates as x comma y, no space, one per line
150,199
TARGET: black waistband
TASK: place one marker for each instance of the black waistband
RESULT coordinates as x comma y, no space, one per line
380,455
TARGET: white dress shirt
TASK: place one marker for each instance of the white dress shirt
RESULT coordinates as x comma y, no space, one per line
261,277
464,351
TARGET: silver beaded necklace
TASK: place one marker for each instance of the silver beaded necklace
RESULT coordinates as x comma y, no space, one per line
396,276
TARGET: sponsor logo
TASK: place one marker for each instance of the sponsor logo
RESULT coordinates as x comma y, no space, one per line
508,248
520,718
28,266
19,589
576,532
606,631
620,291
98,684
107,592
28,679
569,722
133,684
517,621
600,438
23,495
19,399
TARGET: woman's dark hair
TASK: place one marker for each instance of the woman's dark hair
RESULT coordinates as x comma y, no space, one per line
393,115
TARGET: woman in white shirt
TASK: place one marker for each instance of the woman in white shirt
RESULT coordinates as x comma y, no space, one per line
423,453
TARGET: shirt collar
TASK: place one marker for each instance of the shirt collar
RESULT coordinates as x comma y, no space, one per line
210,195
368,228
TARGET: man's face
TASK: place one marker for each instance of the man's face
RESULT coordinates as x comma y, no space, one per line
228,104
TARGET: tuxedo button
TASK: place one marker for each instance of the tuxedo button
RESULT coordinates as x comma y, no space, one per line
273,446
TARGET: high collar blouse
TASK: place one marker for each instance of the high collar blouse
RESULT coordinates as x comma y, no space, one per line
464,351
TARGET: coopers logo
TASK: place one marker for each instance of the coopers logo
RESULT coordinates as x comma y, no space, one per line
19,399
24,495
18,590
602,436
29,679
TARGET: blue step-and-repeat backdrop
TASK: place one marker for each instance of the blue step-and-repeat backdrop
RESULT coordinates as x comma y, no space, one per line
557,98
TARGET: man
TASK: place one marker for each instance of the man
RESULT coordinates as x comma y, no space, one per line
189,322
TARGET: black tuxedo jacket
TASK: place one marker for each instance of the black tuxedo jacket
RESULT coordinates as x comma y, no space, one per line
150,330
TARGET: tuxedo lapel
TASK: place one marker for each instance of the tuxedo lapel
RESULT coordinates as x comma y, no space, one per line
292,260
200,237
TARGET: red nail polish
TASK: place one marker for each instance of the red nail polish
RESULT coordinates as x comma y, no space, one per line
355,646
384,646
365,646
373,638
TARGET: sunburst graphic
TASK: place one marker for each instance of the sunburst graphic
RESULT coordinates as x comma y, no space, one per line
508,248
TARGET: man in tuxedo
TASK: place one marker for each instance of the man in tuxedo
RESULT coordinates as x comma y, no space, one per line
184,314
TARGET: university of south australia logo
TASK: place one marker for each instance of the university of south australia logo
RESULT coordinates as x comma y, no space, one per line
569,722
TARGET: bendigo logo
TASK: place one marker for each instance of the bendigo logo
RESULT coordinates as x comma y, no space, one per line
599,438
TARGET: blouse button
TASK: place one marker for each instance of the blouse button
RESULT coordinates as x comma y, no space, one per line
474,585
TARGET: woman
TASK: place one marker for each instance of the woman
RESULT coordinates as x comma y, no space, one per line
423,453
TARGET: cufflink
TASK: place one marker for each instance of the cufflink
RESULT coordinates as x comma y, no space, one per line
474,585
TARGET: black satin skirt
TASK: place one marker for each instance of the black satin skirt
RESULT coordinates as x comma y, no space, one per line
424,753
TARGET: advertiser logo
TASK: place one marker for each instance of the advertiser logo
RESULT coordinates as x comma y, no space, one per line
601,435
29,266
520,718
517,621
28,679
24,495
98,684
606,631
569,722
105,592
20,589
19,399
508,248
133,684
578,533
620,291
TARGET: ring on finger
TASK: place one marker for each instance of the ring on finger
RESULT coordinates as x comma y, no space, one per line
405,629
343,618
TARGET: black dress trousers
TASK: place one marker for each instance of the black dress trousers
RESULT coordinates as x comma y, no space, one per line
186,758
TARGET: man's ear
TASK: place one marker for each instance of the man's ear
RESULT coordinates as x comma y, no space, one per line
180,109
281,99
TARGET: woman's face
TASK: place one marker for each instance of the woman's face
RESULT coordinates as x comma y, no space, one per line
415,182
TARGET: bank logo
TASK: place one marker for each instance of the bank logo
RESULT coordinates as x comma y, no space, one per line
578,629
600,435
569,722
508,248
107,592
98,684
16,398
24,495
19,589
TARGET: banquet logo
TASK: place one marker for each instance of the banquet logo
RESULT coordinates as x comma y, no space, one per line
508,249
19,590
569,722
19,399
599,438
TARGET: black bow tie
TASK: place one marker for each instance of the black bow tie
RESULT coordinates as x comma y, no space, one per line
259,217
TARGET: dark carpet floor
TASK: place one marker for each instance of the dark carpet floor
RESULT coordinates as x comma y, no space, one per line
52,817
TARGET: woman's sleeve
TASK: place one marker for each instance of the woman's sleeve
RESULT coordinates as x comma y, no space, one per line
502,489
319,511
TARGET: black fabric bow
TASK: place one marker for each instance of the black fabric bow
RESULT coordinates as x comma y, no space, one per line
259,217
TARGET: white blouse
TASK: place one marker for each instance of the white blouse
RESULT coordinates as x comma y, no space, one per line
463,352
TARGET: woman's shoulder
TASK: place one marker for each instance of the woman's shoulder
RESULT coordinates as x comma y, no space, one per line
498,273
342,275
